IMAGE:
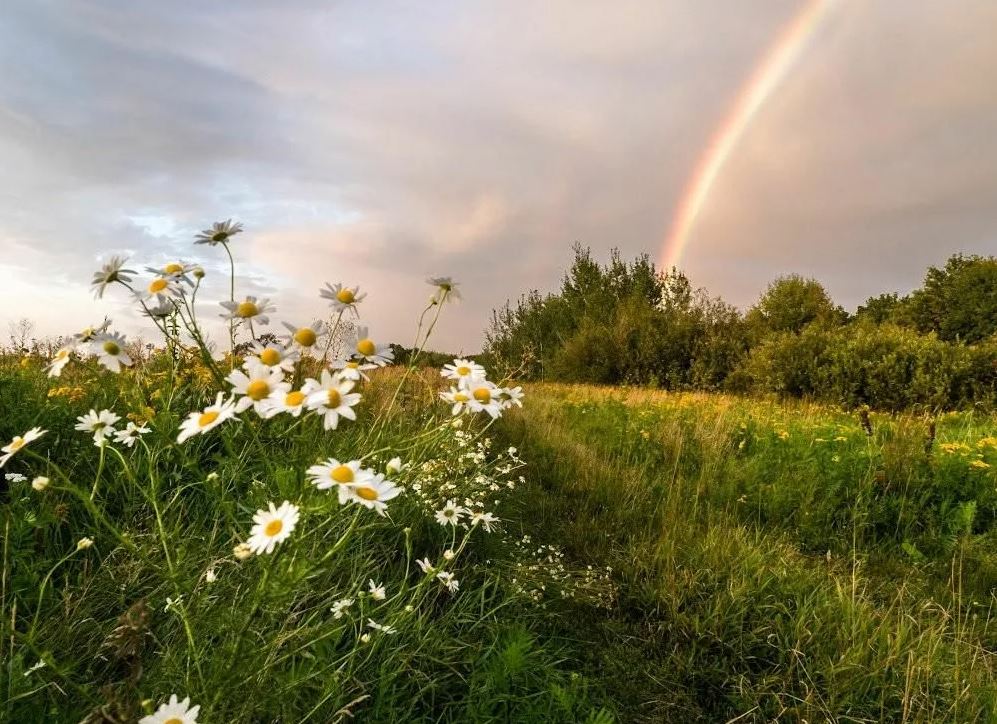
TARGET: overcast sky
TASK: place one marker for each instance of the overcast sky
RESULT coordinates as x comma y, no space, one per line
382,143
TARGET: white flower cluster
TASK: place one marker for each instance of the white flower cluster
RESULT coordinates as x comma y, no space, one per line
541,572
101,425
472,392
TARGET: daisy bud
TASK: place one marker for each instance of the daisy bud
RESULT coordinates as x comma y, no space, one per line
210,576
365,638
40,483
242,551
84,543
199,272
448,554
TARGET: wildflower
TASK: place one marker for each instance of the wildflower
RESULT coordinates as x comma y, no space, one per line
273,526
40,483
162,310
377,591
331,398
19,442
368,351
110,351
979,465
59,360
289,401
302,338
130,434
395,465
112,271
210,576
486,520
159,289
207,419
101,424
365,638
83,543
174,712
509,396
342,475
272,355
249,308
450,514
446,289
339,607
14,478
172,603
458,397
484,398
383,628
352,369
242,551
219,233
175,269
256,385
88,334
425,566
342,298
448,554
374,493
448,580
463,370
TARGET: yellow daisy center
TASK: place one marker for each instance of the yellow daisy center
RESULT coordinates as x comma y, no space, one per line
173,268
461,397
367,493
346,296
293,399
247,309
463,371
257,390
157,285
207,418
112,348
305,337
219,236
270,357
62,354
483,395
173,720
17,443
342,474
366,347
273,527
353,365
335,399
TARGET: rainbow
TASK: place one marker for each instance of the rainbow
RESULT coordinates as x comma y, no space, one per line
766,77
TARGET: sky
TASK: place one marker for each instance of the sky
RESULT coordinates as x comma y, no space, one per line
383,143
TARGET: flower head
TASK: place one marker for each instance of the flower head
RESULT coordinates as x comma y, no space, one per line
112,271
376,590
331,397
302,338
383,628
219,233
289,401
19,442
448,580
462,371
110,351
272,526
40,483
367,350
339,607
88,334
450,514
249,308
159,289
256,385
59,360
341,297
207,419
273,355
101,424
83,543
446,289
352,370
342,475
173,712
374,493
130,434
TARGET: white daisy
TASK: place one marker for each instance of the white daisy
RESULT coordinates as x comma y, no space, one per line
273,355
110,351
101,424
486,520
174,712
59,360
510,396
175,269
302,338
273,526
376,590
395,466
19,442
484,397
375,493
448,580
425,565
219,233
342,298
446,289
249,308
352,369
112,271
130,434
289,401
369,351
162,310
331,398
463,369
207,419
383,628
256,385
159,289
458,397
40,483
450,514
88,334
339,607
343,475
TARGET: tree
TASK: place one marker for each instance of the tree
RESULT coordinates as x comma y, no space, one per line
790,304
20,333
959,301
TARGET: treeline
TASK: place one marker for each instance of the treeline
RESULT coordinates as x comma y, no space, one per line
627,323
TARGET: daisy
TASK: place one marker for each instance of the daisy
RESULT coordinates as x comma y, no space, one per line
211,417
446,289
177,269
303,338
343,475
290,401
273,526
130,434
101,424
331,398
112,271
484,397
219,233
510,396
368,351
463,370
18,442
40,483
162,310
425,565
395,465
110,351
376,590
458,397
249,308
342,298
88,334
486,520
256,385
450,514
383,628
448,580
352,369
273,355
59,360
339,607
374,493
175,712
159,289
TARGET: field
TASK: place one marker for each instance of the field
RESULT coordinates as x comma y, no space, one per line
658,557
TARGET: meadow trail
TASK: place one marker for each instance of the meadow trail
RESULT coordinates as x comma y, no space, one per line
773,562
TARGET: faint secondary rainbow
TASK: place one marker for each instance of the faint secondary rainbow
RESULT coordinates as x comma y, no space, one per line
750,99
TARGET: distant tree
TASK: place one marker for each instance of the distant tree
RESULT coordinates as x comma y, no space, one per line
20,333
883,309
959,301
790,304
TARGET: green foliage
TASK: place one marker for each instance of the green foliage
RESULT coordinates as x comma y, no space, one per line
959,301
790,304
